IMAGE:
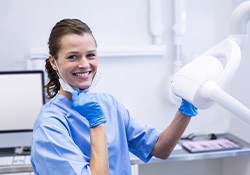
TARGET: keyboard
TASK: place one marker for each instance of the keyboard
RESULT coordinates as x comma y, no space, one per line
15,161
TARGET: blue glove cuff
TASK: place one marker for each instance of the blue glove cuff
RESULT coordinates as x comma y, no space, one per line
97,121
188,109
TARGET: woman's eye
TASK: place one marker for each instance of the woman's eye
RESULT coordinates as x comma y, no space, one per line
91,55
72,57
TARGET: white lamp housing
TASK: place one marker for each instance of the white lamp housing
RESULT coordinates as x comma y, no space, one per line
201,82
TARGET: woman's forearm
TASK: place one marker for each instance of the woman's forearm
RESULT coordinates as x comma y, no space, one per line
99,163
170,136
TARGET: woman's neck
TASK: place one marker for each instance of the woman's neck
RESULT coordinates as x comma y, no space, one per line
65,93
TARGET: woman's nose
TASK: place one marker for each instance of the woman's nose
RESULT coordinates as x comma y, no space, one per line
83,62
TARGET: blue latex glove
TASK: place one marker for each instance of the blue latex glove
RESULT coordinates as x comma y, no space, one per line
188,109
87,105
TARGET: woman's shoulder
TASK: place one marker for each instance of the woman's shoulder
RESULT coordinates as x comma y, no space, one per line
104,96
54,109
107,98
109,101
58,103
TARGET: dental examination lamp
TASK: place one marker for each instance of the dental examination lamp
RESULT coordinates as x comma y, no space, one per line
201,82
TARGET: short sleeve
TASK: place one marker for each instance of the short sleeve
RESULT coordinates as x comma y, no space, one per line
141,139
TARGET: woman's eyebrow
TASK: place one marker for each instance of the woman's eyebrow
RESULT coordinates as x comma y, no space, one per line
94,50
72,52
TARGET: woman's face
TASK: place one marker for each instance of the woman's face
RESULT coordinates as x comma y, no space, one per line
77,60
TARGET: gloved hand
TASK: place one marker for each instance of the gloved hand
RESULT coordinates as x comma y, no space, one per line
187,108
87,105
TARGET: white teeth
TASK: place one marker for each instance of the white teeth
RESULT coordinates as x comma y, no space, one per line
82,74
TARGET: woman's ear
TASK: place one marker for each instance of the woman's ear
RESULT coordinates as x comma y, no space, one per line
52,62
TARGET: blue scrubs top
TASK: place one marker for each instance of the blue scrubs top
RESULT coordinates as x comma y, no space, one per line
61,142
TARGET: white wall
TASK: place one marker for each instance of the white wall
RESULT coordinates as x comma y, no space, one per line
27,23
139,83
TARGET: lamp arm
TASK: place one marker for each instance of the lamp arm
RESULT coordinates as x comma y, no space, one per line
239,18
228,102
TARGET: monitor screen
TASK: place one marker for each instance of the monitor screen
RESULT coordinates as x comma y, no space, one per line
21,100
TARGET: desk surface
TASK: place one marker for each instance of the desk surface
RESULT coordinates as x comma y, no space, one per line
177,155
183,155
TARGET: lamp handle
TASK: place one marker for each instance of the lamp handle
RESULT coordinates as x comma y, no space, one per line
231,51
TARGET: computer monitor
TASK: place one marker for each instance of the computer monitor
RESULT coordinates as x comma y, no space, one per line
21,99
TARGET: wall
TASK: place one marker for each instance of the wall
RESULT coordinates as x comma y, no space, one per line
139,83
27,23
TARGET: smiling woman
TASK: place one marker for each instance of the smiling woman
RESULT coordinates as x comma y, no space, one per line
72,56
76,61
81,132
